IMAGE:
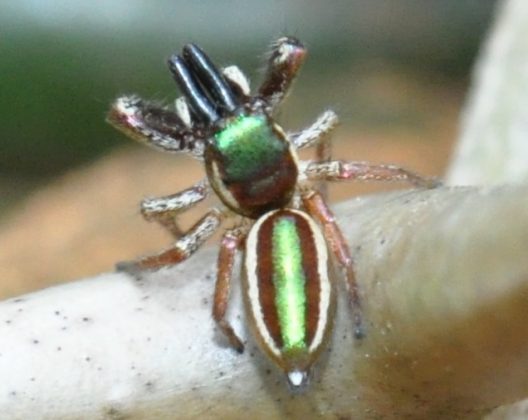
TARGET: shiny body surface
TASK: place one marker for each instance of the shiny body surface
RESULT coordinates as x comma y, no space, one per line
250,165
289,293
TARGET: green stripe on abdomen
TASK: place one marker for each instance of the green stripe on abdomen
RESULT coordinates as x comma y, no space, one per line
289,281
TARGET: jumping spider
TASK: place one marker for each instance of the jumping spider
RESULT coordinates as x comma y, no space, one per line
252,167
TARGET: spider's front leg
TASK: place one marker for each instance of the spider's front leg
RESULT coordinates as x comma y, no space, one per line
318,134
182,249
155,126
285,58
165,209
340,170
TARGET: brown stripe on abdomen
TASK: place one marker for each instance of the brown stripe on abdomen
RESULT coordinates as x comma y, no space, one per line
265,281
312,286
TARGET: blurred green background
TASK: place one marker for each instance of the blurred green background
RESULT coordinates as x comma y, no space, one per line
62,62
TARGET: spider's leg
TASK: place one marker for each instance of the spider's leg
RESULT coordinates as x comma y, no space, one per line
164,209
153,125
285,58
340,170
182,249
231,241
317,208
318,134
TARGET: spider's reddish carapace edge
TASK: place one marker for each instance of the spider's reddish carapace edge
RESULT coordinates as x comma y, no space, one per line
282,223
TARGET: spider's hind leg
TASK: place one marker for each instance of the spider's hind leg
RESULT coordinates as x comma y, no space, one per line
318,209
231,242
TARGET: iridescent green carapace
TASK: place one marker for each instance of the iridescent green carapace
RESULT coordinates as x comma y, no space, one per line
246,141
251,166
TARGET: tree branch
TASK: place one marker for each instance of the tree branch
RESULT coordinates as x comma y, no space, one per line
444,301
492,148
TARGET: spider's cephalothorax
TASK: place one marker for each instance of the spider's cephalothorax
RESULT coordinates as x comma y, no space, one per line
251,147
252,167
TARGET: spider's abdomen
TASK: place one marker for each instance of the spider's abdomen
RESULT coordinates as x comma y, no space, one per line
288,292
251,166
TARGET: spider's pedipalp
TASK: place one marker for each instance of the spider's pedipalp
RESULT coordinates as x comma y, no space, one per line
285,58
211,78
238,80
153,125
182,109
193,92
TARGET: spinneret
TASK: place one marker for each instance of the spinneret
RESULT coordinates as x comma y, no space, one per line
286,230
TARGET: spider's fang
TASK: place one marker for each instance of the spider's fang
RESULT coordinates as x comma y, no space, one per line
210,77
198,101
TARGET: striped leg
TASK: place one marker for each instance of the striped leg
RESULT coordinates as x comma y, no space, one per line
340,170
316,206
318,134
155,126
231,241
182,249
164,209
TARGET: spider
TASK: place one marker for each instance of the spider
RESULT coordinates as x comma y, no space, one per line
287,230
